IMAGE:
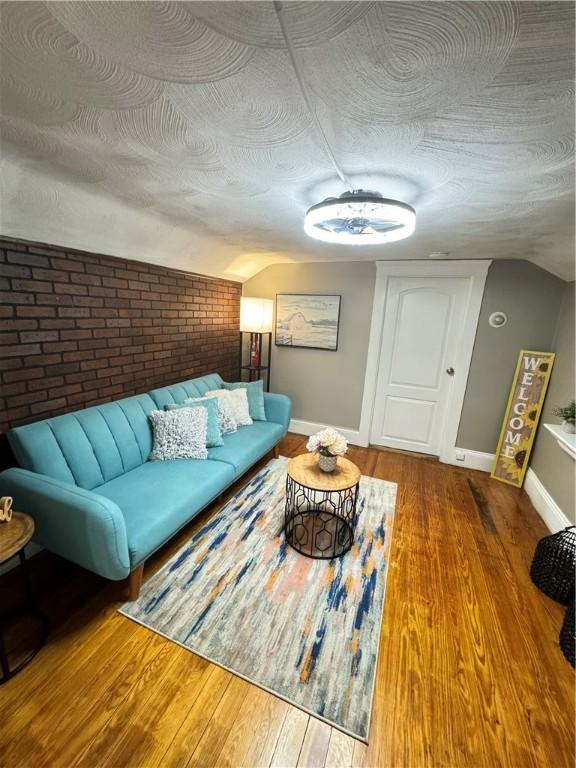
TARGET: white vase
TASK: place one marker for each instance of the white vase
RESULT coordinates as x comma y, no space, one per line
569,425
327,463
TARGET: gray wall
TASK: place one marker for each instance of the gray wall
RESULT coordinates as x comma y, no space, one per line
531,298
554,468
325,387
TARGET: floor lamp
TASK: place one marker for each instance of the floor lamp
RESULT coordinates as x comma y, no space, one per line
256,320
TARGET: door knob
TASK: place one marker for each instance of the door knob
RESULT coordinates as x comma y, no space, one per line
450,371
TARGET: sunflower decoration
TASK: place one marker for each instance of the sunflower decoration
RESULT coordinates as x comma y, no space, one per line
514,465
532,413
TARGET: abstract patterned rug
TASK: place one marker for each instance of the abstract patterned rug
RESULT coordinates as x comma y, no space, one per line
306,630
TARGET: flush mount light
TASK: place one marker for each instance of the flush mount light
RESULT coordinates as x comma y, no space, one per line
360,218
357,217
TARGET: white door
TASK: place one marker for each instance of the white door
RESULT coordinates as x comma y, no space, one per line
421,334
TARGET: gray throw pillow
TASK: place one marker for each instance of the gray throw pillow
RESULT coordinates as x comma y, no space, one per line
179,434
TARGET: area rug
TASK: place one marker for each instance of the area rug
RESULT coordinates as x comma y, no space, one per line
306,630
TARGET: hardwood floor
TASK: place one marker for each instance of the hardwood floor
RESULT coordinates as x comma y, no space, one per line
469,674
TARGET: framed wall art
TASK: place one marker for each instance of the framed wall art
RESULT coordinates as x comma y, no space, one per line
307,320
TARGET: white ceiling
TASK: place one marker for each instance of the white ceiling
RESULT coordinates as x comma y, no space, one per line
175,132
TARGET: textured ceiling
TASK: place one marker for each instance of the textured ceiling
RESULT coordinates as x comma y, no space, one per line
176,133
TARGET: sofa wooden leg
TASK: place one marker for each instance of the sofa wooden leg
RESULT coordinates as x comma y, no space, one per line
276,451
135,582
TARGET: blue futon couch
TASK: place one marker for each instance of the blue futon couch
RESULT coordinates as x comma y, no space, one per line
95,498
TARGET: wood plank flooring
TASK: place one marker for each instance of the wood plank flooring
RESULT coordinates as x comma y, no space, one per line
469,673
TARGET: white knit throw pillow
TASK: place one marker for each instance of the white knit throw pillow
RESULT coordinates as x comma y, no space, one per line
238,400
226,420
179,434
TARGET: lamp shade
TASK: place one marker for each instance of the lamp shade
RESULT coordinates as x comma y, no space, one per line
256,315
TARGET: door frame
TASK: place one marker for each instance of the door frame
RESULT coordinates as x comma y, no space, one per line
476,271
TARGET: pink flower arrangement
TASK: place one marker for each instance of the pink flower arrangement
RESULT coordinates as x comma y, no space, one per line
328,442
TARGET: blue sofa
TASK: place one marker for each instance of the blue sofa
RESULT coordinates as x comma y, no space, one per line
95,498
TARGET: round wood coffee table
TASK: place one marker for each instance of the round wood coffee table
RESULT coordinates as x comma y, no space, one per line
320,512
14,535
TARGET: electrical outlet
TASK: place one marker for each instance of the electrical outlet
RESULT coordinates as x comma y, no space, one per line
460,456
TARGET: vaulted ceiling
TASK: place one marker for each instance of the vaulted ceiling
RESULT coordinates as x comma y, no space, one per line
176,132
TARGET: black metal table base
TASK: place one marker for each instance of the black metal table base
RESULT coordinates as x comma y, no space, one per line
319,524
9,672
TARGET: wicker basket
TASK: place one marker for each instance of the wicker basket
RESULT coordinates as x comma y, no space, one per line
568,635
552,568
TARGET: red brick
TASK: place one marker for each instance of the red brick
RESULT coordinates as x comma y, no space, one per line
11,270
68,265
13,389
60,346
48,405
100,269
73,312
69,389
108,327
54,299
18,324
20,350
23,374
49,251
27,311
114,282
30,336
13,297
88,301
54,370
75,334
57,323
26,399
77,355
53,275
42,360
71,289
82,279
36,286
27,259
42,384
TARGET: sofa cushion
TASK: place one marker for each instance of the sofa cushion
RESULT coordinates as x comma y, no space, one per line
255,394
87,447
177,393
158,498
244,447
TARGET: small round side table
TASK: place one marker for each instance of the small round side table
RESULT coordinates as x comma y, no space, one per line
320,514
14,535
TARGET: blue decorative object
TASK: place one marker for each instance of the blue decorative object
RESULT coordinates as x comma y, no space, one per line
210,404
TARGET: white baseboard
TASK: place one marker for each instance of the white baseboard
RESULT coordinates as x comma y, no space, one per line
544,504
464,457
301,427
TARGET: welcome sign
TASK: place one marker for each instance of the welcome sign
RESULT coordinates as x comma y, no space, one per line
522,415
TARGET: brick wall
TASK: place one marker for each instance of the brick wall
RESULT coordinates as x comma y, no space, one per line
77,329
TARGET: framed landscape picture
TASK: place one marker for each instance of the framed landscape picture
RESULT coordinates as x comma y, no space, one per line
307,320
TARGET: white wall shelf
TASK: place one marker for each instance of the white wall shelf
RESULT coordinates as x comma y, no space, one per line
565,440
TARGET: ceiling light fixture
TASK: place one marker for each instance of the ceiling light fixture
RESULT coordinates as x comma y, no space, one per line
360,218
357,217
